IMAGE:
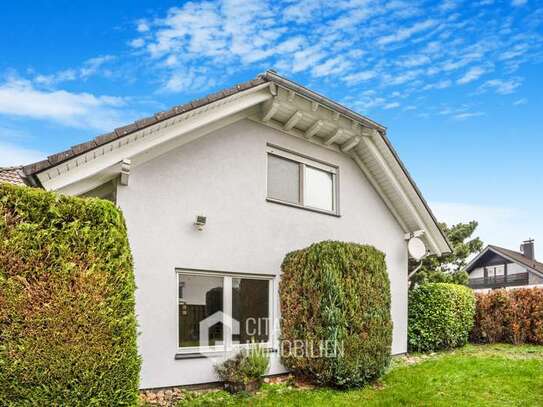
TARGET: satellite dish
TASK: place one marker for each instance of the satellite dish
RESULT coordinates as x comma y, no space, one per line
416,248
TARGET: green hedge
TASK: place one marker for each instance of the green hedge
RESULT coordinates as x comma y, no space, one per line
67,319
441,316
340,293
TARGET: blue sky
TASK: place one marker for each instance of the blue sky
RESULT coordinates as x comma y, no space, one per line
457,83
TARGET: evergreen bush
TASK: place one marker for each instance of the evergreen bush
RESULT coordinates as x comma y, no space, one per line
67,319
335,304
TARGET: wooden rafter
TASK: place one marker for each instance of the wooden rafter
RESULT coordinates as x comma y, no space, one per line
334,137
315,127
294,119
350,144
270,110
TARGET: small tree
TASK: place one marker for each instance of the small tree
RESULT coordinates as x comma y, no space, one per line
448,268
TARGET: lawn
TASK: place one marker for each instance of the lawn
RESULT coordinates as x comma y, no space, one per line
488,375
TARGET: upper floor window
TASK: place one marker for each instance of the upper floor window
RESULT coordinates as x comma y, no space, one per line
302,182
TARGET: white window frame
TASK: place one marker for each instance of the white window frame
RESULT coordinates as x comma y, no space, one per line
305,161
227,310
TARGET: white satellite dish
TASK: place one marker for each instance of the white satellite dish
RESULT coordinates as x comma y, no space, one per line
416,248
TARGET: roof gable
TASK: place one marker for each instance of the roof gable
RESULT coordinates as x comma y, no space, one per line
273,101
491,256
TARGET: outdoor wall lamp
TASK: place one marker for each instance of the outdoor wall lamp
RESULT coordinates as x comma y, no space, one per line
200,222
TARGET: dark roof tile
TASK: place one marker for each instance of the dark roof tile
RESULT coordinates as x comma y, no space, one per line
146,122
83,147
200,102
59,157
105,138
125,130
36,167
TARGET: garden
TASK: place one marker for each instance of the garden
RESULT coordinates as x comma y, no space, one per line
68,326
475,375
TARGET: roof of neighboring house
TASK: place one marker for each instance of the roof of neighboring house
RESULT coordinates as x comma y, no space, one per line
35,173
12,175
511,255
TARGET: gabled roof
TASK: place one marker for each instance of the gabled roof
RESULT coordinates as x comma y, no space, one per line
12,175
511,255
273,101
143,123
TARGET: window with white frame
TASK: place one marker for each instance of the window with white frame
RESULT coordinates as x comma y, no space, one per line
207,301
300,181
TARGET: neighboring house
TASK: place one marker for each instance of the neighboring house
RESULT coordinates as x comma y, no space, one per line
273,167
496,267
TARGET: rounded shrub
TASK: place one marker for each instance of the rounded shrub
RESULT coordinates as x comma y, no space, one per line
335,307
441,316
67,318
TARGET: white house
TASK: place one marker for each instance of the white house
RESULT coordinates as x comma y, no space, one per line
272,167
496,267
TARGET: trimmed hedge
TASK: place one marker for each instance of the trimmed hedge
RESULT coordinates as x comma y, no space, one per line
67,319
336,293
440,316
512,316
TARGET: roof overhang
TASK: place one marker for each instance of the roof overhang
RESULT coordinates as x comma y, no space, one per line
273,101
472,264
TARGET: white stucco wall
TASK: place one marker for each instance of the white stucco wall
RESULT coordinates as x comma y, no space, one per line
223,176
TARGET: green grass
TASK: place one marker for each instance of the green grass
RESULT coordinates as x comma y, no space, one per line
491,375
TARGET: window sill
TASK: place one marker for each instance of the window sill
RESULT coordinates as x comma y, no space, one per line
200,355
307,208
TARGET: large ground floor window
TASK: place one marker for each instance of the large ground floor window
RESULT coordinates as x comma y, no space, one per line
219,311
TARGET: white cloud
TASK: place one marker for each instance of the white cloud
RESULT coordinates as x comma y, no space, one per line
19,97
393,105
520,102
406,33
354,78
142,26
518,3
514,52
11,155
61,76
187,81
92,65
500,86
401,78
333,66
467,115
303,59
448,5
137,43
471,75
420,47
89,68
446,83
411,61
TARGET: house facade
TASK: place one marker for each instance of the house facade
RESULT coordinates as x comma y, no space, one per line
496,267
216,192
